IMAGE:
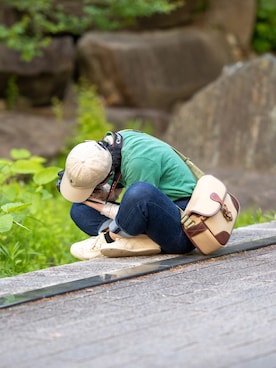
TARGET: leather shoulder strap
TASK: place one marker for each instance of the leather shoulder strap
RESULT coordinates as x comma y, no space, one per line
197,172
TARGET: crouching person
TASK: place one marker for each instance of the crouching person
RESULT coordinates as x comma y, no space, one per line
155,183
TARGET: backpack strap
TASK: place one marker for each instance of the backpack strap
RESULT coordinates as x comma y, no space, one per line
197,172
114,142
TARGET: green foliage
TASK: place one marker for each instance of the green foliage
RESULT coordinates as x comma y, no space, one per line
45,244
35,226
22,178
251,217
39,20
92,123
91,117
12,93
113,15
57,109
264,38
25,183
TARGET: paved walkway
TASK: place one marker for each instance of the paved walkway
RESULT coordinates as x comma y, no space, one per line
220,312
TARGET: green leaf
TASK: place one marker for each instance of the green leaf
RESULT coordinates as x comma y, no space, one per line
12,207
6,222
18,154
38,159
46,175
25,167
9,193
46,195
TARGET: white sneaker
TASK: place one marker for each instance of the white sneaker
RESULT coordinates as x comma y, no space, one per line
140,245
88,248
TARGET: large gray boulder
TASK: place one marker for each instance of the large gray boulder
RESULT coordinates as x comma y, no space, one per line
151,69
41,133
234,17
232,121
42,78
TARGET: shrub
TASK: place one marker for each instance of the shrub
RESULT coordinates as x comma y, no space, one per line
38,20
35,226
264,38
25,186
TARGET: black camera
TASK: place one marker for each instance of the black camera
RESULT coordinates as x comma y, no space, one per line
60,175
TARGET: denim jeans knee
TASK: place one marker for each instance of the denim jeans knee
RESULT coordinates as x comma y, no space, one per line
145,209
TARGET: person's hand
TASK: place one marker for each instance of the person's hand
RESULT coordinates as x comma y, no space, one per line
100,193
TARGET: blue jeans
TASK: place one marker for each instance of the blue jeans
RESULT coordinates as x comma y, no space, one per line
144,209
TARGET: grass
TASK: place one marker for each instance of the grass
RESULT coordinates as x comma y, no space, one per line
45,244
251,217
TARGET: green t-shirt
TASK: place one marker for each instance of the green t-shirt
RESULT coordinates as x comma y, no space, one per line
148,159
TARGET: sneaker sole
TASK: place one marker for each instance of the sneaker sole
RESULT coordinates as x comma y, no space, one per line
116,253
82,257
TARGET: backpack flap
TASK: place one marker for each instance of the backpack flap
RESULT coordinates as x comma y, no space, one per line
208,196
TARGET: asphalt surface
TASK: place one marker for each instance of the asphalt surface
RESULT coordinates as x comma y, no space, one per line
213,312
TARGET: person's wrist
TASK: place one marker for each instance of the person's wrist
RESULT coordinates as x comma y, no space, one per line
110,210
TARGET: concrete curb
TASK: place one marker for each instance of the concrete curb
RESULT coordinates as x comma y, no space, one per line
80,275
